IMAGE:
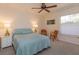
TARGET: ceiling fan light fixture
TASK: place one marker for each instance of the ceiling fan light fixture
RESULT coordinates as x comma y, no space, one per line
44,7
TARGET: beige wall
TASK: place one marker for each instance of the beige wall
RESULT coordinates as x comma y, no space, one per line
56,15
21,17
50,27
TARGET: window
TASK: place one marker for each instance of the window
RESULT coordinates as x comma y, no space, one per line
74,18
70,24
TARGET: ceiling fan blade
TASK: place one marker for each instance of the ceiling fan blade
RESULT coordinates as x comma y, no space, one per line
36,8
40,10
47,10
51,6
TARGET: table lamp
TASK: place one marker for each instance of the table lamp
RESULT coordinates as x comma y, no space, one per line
35,27
7,27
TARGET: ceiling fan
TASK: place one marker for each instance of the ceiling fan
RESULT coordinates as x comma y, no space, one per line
44,7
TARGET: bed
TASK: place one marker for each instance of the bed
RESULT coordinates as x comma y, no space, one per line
26,42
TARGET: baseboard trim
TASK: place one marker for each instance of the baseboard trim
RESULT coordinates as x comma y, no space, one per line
69,42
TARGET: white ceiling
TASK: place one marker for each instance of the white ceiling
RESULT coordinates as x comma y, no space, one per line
28,6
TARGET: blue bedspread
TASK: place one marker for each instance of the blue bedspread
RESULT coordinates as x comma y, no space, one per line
29,44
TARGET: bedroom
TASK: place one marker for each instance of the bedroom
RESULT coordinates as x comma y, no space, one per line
21,15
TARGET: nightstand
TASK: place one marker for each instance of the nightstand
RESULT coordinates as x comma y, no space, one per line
5,41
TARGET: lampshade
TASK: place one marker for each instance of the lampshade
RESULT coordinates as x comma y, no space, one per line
35,25
7,25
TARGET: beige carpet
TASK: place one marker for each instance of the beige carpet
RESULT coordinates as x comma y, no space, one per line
57,48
